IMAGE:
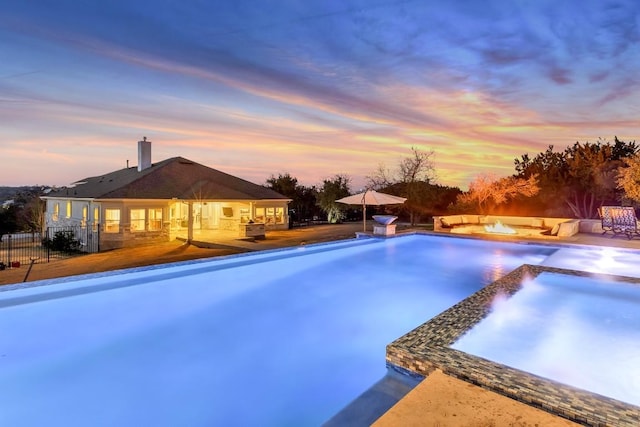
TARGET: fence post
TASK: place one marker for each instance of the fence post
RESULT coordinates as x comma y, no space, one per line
9,251
48,245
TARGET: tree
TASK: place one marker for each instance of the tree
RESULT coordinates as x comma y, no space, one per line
381,178
32,215
486,192
303,199
26,213
332,190
412,179
579,179
8,220
628,179
284,184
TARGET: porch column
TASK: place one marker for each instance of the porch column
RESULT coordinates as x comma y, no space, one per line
190,222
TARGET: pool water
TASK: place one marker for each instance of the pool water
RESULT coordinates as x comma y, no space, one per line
280,338
583,332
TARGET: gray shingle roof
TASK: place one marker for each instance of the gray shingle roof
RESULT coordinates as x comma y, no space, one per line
176,177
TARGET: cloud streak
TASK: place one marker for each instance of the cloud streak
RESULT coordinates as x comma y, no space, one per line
312,88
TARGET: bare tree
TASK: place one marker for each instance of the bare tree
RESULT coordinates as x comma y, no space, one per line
411,179
380,178
33,213
418,167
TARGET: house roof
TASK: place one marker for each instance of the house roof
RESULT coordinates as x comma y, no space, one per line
176,177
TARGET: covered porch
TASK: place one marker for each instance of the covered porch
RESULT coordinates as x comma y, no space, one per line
213,220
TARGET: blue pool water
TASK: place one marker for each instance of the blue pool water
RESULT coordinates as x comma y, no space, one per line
279,338
583,332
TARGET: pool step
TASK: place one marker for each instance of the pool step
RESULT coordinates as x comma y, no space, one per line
375,401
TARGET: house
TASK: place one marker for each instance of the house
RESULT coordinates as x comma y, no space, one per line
174,198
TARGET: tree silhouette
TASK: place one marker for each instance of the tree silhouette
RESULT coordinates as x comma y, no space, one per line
579,179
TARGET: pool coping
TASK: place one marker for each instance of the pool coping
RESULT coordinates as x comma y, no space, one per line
209,263
426,348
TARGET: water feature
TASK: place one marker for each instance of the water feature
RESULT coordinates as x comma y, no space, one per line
384,219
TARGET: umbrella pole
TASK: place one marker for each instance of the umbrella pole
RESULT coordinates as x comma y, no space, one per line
364,217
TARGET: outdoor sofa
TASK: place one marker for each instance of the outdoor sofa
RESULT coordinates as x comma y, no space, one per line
561,227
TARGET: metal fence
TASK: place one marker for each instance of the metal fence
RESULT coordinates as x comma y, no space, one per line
54,243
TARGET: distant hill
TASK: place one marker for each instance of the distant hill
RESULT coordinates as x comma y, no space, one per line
8,193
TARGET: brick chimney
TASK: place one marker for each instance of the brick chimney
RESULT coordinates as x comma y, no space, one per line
144,154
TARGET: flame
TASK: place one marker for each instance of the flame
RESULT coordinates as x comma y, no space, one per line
500,228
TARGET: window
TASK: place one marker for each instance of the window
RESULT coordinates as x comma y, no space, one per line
112,220
271,215
85,214
155,219
137,219
279,215
259,217
244,215
69,209
56,211
96,218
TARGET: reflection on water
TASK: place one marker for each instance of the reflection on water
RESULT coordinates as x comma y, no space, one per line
597,260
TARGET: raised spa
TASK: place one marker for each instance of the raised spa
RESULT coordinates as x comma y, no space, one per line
580,331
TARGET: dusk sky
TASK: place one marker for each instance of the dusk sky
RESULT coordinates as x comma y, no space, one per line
312,88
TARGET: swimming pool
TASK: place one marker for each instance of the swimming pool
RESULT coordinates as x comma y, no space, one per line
580,331
278,338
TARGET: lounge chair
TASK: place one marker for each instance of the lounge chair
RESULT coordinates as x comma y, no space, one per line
605,217
624,221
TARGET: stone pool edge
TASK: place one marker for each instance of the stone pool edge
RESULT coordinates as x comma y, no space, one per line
426,348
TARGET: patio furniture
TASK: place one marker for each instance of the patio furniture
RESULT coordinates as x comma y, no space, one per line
604,212
624,221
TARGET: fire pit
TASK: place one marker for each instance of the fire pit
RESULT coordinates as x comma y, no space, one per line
500,228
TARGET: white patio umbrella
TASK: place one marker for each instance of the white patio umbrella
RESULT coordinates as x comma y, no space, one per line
373,198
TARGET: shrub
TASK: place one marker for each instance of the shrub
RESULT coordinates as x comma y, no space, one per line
63,241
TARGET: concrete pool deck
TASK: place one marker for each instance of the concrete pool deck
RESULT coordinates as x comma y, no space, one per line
439,400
